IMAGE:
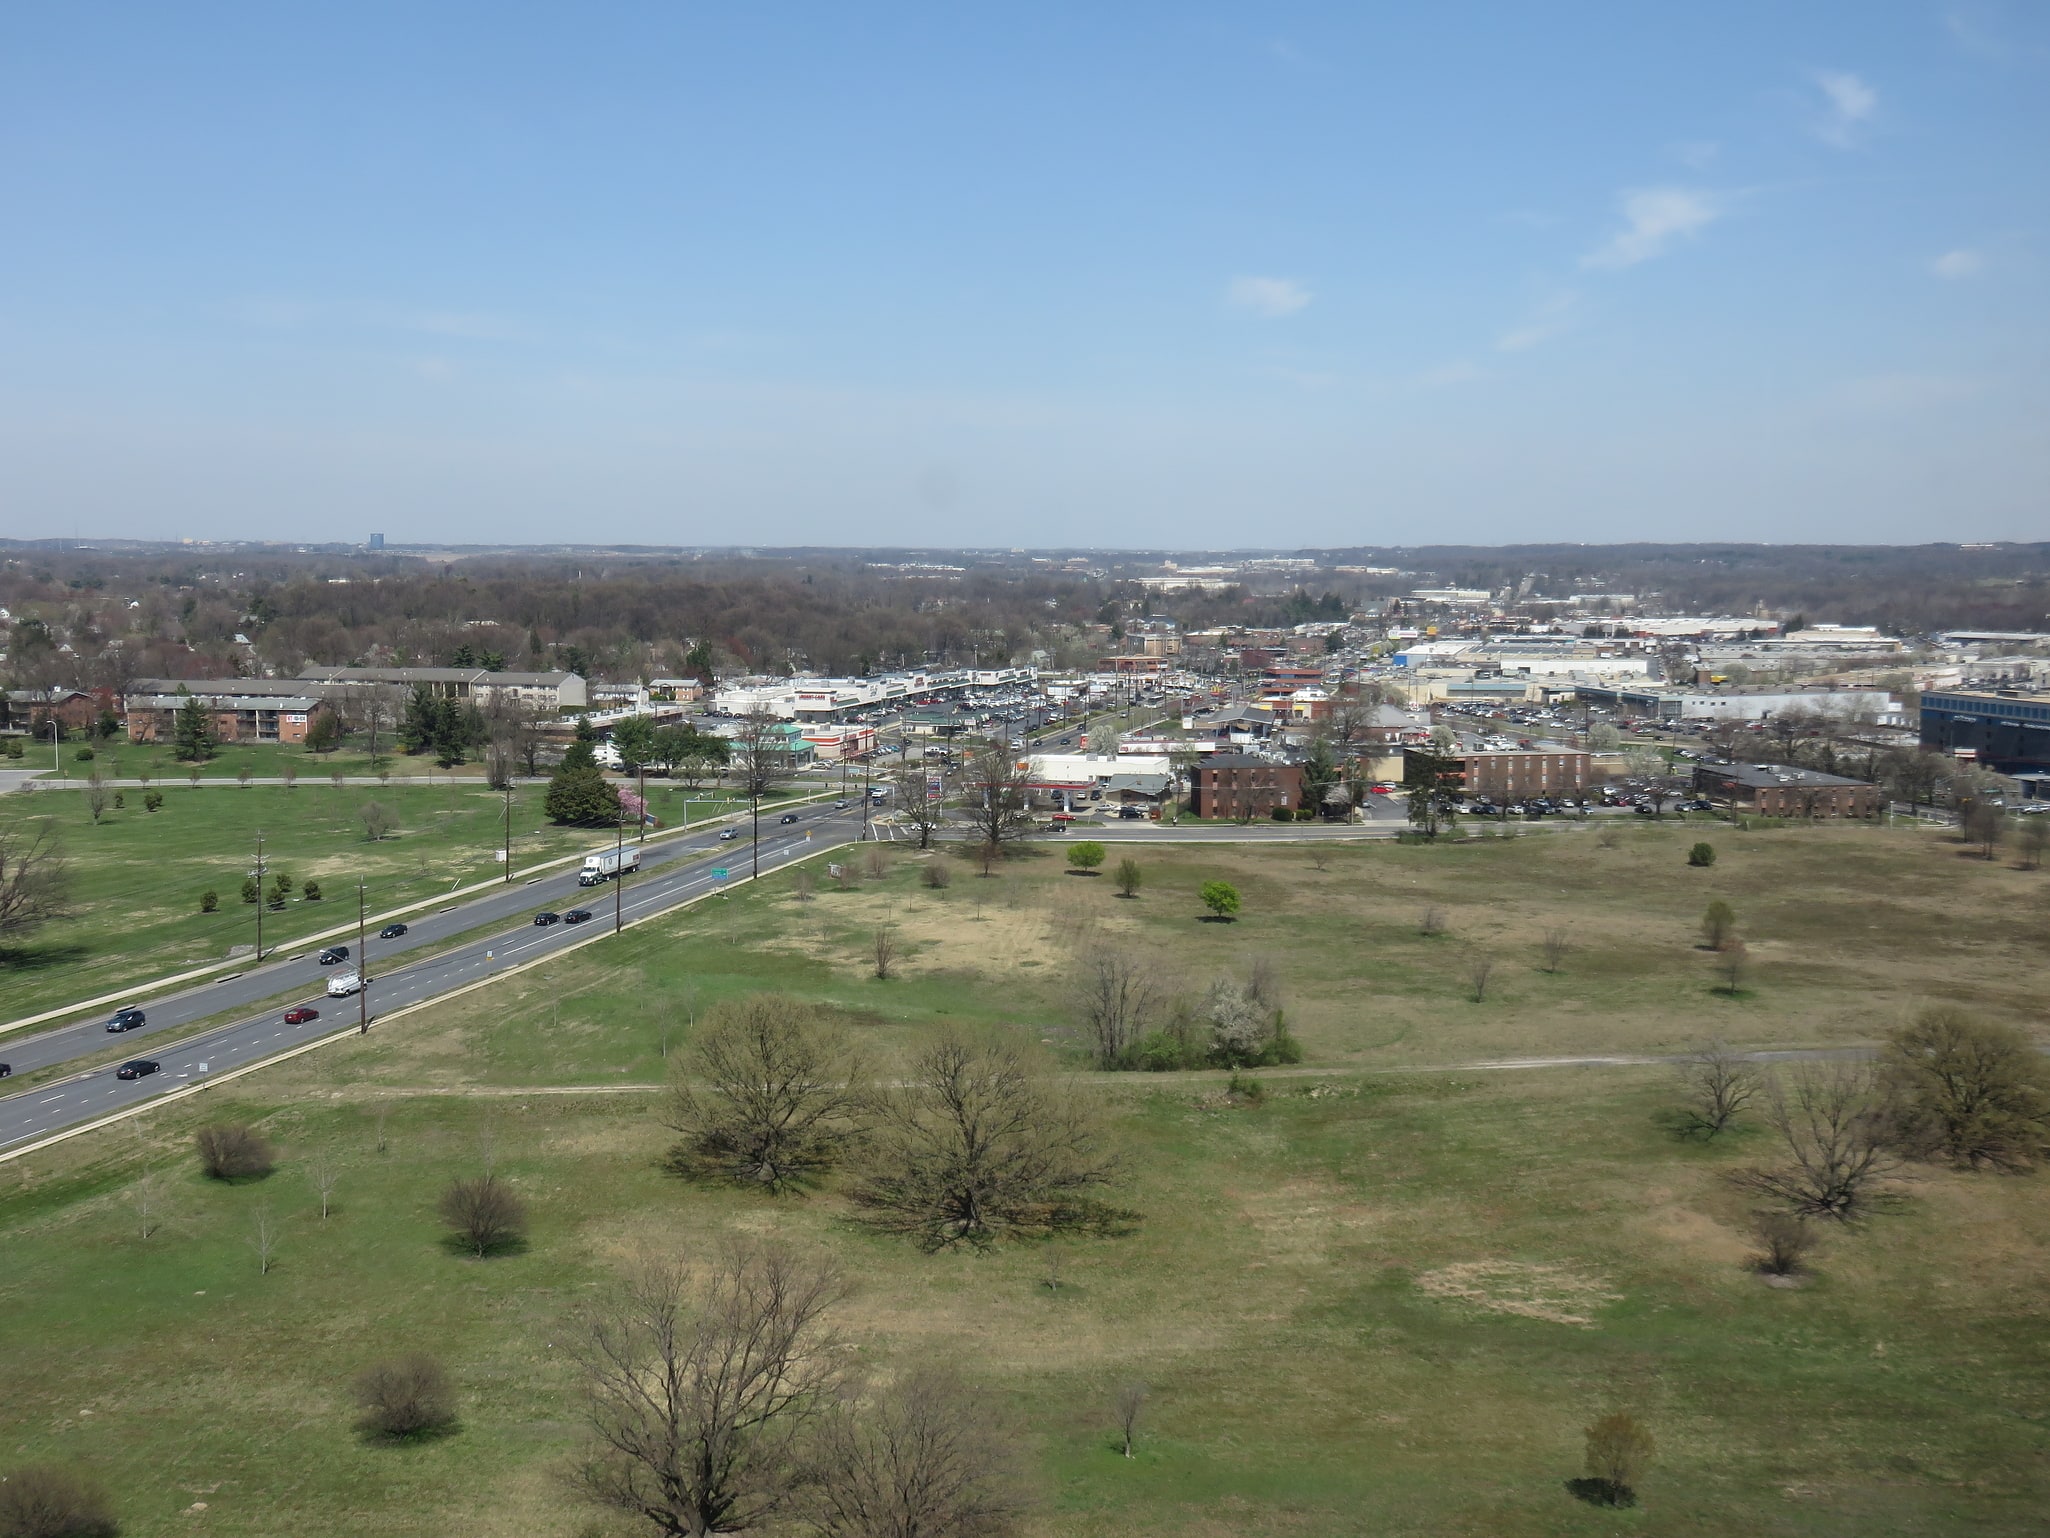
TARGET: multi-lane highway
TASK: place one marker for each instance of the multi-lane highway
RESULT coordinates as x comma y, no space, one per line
672,872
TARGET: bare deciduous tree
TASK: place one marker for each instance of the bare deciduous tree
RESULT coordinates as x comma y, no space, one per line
1480,970
97,796
376,821
925,1456
913,803
147,1197
1730,962
228,1151
404,1399
994,798
883,950
1431,921
1717,1084
1618,1452
35,877
263,1238
1718,925
1129,878
935,875
700,1398
1126,1407
1784,1240
1553,948
874,862
767,1095
804,884
1116,994
979,1144
483,1213
1834,1135
325,1171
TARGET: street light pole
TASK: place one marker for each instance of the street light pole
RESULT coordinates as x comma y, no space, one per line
259,894
508,827
618,875
362,970
641,777
56,758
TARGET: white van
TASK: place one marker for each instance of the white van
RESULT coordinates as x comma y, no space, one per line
342,984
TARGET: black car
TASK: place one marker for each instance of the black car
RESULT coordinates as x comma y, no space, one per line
137,1068
544,919
334,955
391,931
788,817
6,1069
577,916
125,1020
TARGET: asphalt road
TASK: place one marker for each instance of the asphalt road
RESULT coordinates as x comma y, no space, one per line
671,872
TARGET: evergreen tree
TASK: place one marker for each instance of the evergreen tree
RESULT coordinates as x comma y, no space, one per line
635,739
192,733
323,732
465,657
582,753
580,795
418,727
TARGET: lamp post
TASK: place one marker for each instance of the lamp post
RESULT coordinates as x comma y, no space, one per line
259,894
508,826
362,969
618,875
56,758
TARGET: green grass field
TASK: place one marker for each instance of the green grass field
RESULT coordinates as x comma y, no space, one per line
138,875
1382,1301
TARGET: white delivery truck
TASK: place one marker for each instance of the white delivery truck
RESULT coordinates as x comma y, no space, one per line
607,863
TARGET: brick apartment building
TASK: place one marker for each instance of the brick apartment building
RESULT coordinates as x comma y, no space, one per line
1511,774
242,710
1228,785
1775,790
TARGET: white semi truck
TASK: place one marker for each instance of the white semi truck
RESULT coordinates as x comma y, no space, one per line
607,863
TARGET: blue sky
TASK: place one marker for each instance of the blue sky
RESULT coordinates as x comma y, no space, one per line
1196,275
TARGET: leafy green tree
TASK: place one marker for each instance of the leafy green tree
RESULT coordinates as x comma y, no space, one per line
1086,856
324,731
250,890
1701,855
634,737
209,900
192,730
580,796
1129,878
583,749
1221,898
1718,925
152,800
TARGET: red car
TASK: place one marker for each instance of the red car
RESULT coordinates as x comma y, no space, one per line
301,1015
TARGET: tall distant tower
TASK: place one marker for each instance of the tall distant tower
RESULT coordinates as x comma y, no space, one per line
377,542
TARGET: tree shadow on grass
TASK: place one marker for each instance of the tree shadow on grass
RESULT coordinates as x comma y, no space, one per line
41,958
1601,1492
463,1249
370,1436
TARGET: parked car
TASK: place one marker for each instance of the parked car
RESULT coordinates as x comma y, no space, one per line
137,1068
787,817
544,918
577,916
125,1020
1131,813
334,955
301,1015
391,931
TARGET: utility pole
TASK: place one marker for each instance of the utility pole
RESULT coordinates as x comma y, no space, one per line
362,970
56,758
618,875
259,894
641,775
508,828
868,776
755,803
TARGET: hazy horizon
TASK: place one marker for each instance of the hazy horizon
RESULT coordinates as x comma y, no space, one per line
1174,278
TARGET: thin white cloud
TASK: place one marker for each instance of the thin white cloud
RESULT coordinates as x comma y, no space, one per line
1272,297
1446,375
1960,263
1653,218
1549,319
1697,154
1849,104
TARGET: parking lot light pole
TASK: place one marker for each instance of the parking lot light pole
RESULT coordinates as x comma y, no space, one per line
362,970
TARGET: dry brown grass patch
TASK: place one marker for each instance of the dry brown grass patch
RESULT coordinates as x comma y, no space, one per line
1551,1293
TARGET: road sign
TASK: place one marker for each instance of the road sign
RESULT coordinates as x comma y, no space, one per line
719,873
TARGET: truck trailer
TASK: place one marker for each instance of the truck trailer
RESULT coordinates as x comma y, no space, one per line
607,863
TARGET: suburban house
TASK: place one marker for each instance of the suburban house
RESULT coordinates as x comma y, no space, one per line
1779,790
1238,785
